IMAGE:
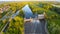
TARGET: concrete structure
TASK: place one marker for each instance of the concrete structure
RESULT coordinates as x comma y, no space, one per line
28,20
41,16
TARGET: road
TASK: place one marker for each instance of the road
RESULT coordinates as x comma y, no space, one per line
7,24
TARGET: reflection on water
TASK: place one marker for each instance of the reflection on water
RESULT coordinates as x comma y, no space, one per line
30,27
27,11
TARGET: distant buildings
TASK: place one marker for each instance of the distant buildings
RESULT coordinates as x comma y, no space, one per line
1,11
5,8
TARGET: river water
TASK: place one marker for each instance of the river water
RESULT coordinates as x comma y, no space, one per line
35,27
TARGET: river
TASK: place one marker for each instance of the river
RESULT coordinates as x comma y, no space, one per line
35,27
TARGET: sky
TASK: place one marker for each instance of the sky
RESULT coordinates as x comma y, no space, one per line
30,0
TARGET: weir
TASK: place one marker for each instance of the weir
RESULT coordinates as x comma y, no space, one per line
36,26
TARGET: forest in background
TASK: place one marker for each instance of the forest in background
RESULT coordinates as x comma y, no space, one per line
16,25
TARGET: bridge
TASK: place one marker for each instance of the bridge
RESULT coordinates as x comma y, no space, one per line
40,16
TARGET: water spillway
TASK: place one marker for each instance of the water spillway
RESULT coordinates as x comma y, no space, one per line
35,27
